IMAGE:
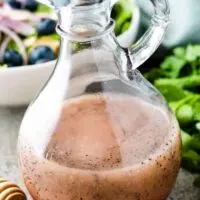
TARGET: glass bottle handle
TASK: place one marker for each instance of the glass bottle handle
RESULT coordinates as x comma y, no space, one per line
150,41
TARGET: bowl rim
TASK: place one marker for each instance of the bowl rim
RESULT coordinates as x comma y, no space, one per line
28,67
134,23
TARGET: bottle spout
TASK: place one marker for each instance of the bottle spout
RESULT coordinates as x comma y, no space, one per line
84,17
81,16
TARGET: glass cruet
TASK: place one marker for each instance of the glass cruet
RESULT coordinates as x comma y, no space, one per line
98,130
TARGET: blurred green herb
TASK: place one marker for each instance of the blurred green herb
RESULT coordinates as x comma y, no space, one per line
3,66
122,14
13,45
43,8
178,79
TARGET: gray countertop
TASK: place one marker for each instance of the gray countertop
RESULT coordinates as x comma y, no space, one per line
10,119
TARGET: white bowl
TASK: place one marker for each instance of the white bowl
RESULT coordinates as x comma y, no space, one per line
19,86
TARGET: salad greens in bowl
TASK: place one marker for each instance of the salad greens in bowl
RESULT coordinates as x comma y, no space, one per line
29,45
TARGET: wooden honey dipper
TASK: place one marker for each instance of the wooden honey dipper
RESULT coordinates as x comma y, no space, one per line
10,191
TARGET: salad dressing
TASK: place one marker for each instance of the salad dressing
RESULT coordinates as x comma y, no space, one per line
105,155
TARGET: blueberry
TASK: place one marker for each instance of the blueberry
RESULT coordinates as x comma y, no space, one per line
43,60
46,26
30,5
14,4
12,58
40,53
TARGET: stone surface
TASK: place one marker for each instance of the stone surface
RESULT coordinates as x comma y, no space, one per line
9,124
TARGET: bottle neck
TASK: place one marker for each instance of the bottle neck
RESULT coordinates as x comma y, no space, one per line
85,20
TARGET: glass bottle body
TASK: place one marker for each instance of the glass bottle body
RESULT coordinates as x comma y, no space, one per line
104,134
98,130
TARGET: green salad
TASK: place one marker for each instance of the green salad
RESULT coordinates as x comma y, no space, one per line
178,79
27,31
